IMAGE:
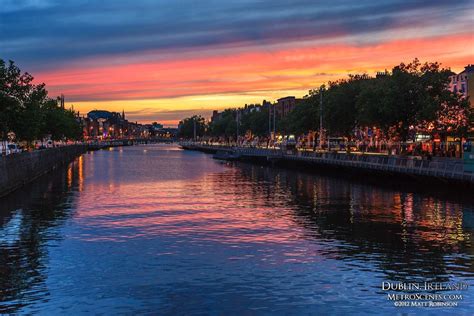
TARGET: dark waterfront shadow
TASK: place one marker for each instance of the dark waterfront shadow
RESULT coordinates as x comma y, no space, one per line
29,218
409,236
455,191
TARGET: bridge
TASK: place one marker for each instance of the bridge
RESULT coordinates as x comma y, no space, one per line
102,144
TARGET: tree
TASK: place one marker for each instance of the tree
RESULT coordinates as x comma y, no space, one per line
409,97
226,125
303,118
255,121
374,105
31,116
454,119
26,109
59,123
186,127
340,104
11,93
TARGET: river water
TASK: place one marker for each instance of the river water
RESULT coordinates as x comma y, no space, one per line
158,230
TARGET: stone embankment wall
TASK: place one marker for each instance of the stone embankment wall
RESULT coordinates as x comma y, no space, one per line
444,169
19,169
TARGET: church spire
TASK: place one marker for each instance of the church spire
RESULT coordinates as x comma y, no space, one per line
123,114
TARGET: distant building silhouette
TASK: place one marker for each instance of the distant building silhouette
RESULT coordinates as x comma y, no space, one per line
60,101
286,105
101,124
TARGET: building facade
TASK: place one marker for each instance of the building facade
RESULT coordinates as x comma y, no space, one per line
285,105
99,124
463,83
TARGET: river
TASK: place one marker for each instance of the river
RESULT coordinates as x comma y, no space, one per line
153,229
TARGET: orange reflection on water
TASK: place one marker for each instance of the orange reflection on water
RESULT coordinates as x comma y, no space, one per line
180,207
75,174
80,173
69,176
251,204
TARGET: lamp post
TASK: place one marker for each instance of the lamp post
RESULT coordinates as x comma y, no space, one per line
274,121
269,121
237,139
321,117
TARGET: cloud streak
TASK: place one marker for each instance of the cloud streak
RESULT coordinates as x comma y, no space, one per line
164,53
57,32
296,68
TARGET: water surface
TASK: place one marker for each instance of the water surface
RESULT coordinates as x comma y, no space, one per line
157,230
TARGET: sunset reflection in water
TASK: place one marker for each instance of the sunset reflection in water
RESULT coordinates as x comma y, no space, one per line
150,228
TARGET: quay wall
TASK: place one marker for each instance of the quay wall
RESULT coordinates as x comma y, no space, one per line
449,171
18,169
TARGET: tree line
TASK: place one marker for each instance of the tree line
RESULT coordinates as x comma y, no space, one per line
411,98
27,111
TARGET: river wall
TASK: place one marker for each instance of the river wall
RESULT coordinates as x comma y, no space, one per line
438,170
18,169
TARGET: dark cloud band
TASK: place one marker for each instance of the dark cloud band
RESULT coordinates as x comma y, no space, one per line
43,34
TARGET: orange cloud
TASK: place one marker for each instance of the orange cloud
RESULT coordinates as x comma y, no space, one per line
243,77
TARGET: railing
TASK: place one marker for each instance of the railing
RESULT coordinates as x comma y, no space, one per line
437,167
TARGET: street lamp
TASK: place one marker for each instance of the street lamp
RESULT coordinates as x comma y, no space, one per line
274,124
237,119
269,121
321,117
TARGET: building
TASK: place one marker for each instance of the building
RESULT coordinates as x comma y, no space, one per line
99,124
380,74
463,83
60,101
266,104
216,116
286,105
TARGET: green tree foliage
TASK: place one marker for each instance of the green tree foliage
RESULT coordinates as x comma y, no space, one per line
304,118
59,123
31,115
340,110
226,125
255,121
14,90
412,96
374,106
26,109
186,127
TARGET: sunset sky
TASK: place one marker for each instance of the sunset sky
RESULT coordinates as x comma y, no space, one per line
165,60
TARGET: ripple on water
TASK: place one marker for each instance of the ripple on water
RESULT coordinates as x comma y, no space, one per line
147,229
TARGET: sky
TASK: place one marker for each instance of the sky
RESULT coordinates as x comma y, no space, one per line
165,60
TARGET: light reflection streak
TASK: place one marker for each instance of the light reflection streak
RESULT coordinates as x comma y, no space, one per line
80,173
69,177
